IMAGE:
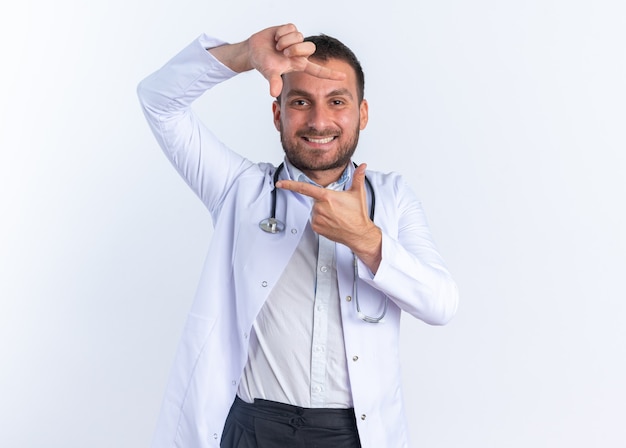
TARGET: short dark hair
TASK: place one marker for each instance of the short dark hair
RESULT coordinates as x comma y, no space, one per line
327,47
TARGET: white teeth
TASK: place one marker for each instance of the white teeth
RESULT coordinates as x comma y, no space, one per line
321,140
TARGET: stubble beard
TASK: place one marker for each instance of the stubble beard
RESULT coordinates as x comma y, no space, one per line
307,159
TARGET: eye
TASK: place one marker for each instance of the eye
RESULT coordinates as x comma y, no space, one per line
299,103
337,102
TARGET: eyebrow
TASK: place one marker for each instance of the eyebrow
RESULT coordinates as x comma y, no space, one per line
304,93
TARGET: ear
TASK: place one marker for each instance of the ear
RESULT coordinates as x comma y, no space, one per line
276,113
363,117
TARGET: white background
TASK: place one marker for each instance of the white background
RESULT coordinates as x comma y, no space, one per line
507,117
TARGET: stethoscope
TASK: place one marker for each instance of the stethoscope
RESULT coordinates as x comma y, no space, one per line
273,225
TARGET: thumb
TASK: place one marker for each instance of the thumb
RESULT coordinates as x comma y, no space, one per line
276,85
358,178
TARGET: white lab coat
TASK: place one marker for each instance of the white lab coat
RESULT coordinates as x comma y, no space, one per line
244,263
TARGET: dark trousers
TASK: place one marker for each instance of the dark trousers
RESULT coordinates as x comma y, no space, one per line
267,424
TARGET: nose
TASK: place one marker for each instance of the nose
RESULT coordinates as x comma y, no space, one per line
318,117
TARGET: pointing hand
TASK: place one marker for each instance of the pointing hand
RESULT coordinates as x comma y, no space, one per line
342,216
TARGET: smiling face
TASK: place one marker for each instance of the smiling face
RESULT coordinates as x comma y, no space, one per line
319,121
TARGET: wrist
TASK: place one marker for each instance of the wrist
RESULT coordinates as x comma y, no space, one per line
233,56
369,248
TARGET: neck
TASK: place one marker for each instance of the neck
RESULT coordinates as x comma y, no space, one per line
324,177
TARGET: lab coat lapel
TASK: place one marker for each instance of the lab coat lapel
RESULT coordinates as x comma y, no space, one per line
263,256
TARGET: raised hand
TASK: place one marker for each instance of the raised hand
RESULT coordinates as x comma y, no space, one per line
342,216
273,52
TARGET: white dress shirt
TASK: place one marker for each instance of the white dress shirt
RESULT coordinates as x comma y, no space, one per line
297,355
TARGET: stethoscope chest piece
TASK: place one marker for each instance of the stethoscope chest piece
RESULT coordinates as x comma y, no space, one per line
272,225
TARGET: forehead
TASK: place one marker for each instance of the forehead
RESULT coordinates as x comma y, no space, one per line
304,82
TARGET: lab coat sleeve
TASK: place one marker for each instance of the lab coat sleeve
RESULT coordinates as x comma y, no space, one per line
412,272
166,96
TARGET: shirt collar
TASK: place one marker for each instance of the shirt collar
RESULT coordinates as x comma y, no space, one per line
340,184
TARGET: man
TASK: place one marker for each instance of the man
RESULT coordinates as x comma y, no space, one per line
292,339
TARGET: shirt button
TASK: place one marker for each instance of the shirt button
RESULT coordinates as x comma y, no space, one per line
294,231
320,308
215,436
348,298
355,358
245,335
234,383
363,416
264,284
324,269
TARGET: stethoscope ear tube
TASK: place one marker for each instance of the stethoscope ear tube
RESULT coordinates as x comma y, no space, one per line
373,197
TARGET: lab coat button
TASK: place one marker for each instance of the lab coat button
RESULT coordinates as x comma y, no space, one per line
349,298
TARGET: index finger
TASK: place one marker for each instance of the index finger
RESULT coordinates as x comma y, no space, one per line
319,71
303,188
